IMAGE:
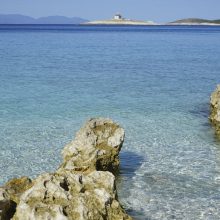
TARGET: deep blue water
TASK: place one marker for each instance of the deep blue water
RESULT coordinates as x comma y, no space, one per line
155,81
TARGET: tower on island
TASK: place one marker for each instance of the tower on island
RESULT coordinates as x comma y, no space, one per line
118,17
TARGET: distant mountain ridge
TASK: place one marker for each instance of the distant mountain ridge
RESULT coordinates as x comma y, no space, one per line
22,19
196,21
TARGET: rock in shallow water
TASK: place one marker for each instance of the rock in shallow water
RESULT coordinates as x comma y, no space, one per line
82,188
215,110
95,147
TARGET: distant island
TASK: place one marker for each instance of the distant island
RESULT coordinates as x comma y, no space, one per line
22,19
195,21
119,20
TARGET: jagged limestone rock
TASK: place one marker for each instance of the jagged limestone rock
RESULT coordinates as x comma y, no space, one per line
82,188
71,196
215,110
95,147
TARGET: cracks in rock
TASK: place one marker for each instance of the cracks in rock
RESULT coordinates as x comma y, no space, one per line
64,211
64,184
80,180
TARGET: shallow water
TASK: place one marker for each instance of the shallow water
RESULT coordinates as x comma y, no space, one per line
155,81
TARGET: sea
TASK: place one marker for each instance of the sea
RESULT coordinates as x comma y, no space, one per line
155,81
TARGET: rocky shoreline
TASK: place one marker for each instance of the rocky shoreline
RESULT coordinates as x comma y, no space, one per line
82,188
215,110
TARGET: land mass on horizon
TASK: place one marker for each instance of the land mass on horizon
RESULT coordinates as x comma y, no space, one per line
22,19
195,21
116,20
119,20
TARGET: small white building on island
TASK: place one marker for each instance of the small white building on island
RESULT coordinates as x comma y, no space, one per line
118,17
119,20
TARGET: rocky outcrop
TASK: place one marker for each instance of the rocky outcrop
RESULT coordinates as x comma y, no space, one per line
82,188
215,110
95,147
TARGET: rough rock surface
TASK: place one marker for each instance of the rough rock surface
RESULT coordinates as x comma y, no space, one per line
95,147
215,110
82,188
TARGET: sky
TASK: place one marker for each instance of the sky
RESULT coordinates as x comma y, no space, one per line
154,10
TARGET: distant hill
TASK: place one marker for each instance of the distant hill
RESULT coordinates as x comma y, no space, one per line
16,19
21,19
195,21
60,20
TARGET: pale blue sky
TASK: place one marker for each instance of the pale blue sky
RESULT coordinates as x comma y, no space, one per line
156,10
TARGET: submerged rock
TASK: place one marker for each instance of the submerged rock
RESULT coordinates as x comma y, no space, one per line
82,188
215,110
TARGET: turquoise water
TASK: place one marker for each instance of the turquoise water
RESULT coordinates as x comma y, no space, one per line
155,81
